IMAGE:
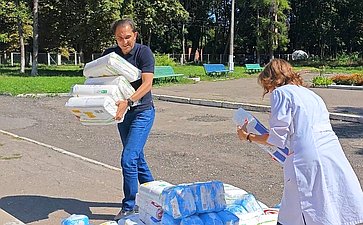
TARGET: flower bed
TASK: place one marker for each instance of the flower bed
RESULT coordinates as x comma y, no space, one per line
352,79
339,79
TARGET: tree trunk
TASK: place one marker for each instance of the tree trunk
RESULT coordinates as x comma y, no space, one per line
35,39
149,39
183,46
21,41
258,38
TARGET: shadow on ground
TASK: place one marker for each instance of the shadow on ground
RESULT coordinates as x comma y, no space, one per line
349,131
349,110
43,72
30,208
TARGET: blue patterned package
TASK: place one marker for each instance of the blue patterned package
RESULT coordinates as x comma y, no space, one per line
219,197
236,209
209,196
228,218
192,220
255,126
76,220
250,203
178,201
169,220
203,196
210,218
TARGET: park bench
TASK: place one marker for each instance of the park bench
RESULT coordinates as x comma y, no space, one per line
253,68
165,72
211,69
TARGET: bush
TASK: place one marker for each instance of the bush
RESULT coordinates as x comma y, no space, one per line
164,60
352,79
321,81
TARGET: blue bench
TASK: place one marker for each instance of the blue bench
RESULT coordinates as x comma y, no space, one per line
212,69
165,72
253,68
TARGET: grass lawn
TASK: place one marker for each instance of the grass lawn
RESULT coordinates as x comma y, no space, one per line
51,79
60,79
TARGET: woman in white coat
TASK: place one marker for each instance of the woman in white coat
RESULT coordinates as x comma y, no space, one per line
320,186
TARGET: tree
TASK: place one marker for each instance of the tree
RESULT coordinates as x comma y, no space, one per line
162,18
22,18
15,27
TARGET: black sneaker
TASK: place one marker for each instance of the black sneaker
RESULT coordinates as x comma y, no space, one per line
123,214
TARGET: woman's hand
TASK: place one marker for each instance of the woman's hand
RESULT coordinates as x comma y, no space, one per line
121,109
242,131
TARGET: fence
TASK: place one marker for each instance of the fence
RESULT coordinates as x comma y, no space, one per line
77,59
43,58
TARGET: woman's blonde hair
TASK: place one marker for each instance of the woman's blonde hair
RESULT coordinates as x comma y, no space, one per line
278,72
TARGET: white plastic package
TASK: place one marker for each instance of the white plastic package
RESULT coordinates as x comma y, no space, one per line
112,65
255,126
122,83
112,91
94,110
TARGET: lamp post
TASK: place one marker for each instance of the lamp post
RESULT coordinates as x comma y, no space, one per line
230,59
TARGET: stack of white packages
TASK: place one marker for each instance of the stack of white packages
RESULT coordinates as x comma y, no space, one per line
108,81
200,203
245,206
196,203
149,201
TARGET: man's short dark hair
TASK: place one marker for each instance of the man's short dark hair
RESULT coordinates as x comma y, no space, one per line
123,22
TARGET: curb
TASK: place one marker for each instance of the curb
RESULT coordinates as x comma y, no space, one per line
346,87
225,104
248,107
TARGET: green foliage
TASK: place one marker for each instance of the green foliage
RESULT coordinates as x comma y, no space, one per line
321,81
164,60
155,19
10,15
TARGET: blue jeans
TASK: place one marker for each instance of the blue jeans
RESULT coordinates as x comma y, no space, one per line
134,131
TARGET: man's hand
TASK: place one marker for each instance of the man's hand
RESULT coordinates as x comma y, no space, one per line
121,109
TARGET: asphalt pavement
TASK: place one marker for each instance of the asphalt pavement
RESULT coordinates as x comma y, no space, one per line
58,183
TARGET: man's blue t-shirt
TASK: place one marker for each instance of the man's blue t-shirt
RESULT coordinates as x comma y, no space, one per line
141,57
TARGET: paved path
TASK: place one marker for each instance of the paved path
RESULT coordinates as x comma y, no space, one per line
42,184
248,91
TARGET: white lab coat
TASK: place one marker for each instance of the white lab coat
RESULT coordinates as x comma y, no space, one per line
320,186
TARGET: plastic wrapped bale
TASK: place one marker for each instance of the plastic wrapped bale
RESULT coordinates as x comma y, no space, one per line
236,209
191,220
219,195
76,220
94,110
209,196
112,65
169,220
210,218
250,203
178,201
122,83
228,218
112,91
